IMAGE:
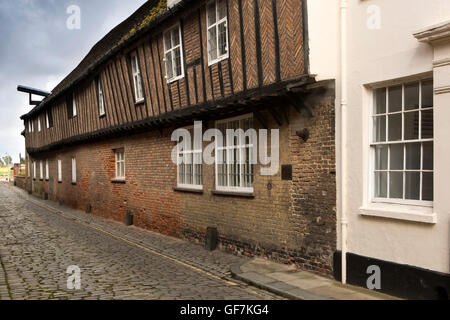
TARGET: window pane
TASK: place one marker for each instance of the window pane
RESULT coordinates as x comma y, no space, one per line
167,42
381,158
427,124
177,53
223,38
211,14
412,187
212,43
395,127
379,129
412,96
413,156
222,9
381,184
395,99
396,157
427,186
427,94
380,101
175,37
134,64
169,68
396,185
411,125
428,156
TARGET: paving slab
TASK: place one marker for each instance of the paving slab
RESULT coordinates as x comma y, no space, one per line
292,283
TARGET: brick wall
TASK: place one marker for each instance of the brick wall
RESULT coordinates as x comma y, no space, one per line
20,182
288,221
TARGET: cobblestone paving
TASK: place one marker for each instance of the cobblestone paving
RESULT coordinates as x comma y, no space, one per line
38,245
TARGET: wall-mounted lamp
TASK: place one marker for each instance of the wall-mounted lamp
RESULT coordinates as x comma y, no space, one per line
303,134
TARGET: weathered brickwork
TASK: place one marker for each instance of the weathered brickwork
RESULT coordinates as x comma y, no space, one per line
292,221
288,221
147,191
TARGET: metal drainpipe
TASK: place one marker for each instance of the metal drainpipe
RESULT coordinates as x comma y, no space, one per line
343,70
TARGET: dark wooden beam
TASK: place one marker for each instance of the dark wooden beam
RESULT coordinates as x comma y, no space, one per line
300,104
262,120
276,115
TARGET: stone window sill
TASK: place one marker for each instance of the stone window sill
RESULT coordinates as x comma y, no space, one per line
233,194
188,190
400,212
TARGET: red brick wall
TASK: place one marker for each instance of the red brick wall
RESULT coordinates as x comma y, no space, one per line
147,191
293,221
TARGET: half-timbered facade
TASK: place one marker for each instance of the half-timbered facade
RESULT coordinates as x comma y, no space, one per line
101,141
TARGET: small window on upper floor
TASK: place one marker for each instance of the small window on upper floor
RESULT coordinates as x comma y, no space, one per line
39,124
71,106
137,78
30,126
49,119
217,24
100,95
173,55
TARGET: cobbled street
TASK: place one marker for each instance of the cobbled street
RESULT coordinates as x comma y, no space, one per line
39,240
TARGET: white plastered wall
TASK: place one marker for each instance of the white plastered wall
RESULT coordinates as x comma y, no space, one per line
378,56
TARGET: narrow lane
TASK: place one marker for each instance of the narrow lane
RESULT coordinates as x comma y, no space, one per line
37,246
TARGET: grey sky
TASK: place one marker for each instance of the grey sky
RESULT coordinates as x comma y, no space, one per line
38,50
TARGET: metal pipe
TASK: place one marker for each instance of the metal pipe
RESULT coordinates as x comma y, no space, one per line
344,149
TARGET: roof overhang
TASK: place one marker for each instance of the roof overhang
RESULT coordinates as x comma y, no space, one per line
184,7
293,93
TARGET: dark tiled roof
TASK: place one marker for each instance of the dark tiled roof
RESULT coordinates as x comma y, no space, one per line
126,30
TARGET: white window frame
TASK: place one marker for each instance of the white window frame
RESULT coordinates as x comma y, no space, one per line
216,26
74,106
47,171
101,100
194,150
30,126
229,148
41,170
74,170
118,162
373,144
171,50
39,124
137,78
59,171
29,168
34,170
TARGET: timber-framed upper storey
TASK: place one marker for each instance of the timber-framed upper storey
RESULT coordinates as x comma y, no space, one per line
249,51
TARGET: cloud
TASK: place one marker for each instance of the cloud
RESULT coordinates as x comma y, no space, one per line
38,50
